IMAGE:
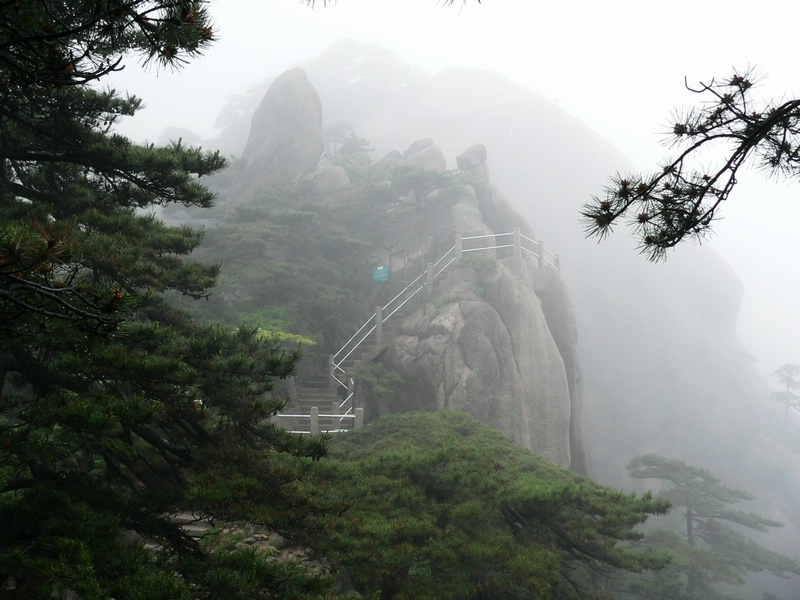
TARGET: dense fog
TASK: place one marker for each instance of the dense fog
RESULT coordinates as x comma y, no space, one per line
676,356
617,67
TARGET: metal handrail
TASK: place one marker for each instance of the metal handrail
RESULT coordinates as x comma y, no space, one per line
440,271
417,284
532,247
486,235
465,250
545,256
336,365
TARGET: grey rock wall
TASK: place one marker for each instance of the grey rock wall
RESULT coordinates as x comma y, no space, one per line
486,349
286,139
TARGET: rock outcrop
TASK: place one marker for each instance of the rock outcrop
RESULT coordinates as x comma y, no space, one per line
424,154
473,161
480,341
484,347
285,140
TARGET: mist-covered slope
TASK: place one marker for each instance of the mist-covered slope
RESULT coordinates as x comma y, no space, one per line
489,333
663,368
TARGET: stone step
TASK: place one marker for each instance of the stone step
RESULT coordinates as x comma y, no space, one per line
321,402
304,392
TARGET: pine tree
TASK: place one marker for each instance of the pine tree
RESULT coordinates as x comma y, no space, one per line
787,375
710,547
439,505
116,410
683,197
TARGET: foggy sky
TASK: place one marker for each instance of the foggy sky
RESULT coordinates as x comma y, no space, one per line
618,65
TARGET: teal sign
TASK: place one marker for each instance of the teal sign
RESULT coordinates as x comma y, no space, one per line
380,273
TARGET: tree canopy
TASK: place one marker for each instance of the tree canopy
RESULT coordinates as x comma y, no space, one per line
682,200
292,265
116,410
50,43
439,505
707,545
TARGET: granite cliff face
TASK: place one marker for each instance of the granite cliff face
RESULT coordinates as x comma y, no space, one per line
487,350
494,335
483,341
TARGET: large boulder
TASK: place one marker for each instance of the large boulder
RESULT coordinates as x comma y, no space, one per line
424,154
484,347
286,139
473,161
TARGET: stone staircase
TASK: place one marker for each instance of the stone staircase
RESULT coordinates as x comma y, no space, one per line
331,396
316,392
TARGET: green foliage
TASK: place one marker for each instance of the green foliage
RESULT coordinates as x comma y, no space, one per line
116,410
475,260
709,548
284,338
788,396
416,184
438,505
52,44
290,265
380,381
353,157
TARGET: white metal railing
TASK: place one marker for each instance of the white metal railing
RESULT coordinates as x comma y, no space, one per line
545,258
476,243
314,418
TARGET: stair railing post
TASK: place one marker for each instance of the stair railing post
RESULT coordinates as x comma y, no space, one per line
458,246
331,373
428,286
334,411
351,391
378,328
359,420
515,262
314,420
540,260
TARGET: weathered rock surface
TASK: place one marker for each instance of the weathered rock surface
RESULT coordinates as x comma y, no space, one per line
286,138
424,154
332,181
480,341
473,160
491,355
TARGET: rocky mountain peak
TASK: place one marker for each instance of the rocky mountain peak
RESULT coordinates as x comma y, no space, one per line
286,139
